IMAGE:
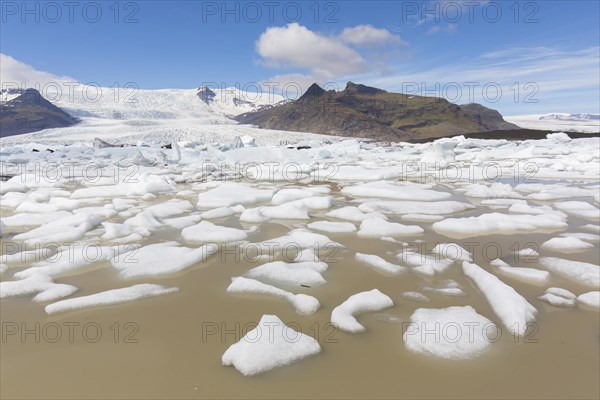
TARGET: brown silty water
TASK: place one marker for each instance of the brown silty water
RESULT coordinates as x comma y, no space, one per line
171,346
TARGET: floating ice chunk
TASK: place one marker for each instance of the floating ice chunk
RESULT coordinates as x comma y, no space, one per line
422,217
452,251
170,208
591,228
416,296
270,345
588,237
290,210
114,230
305,255
207,232
67,229
333,227
447,287
159,259
439,153
3,268
415,207
54,204
109,297
424,264
579,209
590,299
145,221
379,264
351,213
291,274
501,203
566,245
523,208
145,184
103,212
41,284
561,192
560,292
230,194
527,253
221,212
55,292
498,224
495,190
527,275
182,222
580,272
26,256
459,333
343,316
34,219
557,301
377,228
288,195
301,239
33,284
398,191
558,137
74,258
513,309
304,304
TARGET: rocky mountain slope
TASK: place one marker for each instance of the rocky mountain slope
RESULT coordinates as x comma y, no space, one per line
367,112
30,112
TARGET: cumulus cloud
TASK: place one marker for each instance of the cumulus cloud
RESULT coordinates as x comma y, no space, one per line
369,36
298,47
14,72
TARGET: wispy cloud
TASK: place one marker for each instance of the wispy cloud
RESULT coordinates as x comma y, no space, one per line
550,74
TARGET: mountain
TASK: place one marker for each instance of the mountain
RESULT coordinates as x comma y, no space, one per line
565,122
30,112
368,112
491,119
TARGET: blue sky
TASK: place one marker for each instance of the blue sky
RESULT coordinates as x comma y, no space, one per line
542,55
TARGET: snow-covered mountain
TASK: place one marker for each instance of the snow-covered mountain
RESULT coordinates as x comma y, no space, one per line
581,122
210,105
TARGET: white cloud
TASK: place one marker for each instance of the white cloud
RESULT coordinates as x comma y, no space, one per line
14,72
298,47
369,36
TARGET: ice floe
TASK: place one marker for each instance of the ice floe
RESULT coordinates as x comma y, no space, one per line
377,228
207,232
455,333
566,245
159,259
513,309
332,227
498,224
292,274
583,273
109,297
303,304
344,315
379,264
559,297
352,213
590,299
230,194
269,345
527,275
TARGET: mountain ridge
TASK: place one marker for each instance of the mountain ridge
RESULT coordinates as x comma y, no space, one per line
373,113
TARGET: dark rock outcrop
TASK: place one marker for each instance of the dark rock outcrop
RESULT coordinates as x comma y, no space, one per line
368,112
31,112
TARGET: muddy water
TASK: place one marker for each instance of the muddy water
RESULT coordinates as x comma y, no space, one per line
171,346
